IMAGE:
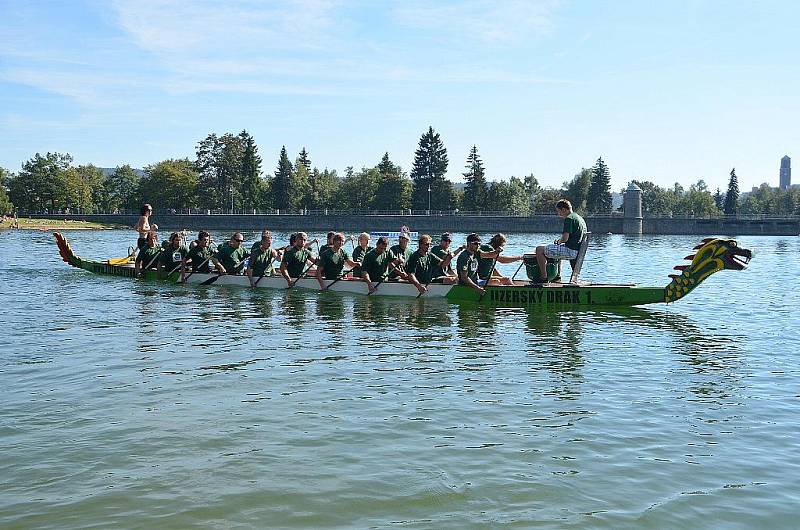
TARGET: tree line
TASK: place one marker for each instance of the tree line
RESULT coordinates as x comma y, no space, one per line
226,174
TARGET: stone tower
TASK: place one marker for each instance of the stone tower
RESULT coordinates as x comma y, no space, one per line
632,210
786,173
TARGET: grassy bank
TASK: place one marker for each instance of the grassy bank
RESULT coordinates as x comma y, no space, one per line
55,224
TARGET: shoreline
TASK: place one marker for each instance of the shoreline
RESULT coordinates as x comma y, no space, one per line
44,224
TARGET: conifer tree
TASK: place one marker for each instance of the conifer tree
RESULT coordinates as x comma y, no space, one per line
252,186
302,158
394,188
719,200
281,184
476,190
599,198
732,197
427,173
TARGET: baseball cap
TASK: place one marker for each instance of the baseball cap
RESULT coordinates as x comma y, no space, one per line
447,237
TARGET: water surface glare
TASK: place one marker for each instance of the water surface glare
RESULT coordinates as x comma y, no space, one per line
129,404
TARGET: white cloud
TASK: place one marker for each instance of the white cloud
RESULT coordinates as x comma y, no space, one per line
492,21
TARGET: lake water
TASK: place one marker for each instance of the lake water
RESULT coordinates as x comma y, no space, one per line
129,404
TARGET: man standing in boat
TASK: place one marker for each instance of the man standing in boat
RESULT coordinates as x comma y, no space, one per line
232,254
332,260
565,247
297,260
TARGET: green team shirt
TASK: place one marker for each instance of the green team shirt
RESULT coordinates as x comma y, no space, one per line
171,256
148,256
440,253
261,261
332,262
376,265
232,258
358,257
422,266
323,247
295,260
397,252
467,263
200,258
485,265
575,226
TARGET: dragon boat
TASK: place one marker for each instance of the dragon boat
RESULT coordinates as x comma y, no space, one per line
712,255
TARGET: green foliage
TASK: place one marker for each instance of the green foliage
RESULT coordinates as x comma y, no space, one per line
170,184
508,196
394,188
6,206
656,201
598,199
358,190
42,183
476,192
303,159
86,189
766,200
731,206
251,189
282,183
577,189
427,175
322,188
699,202
545,201
220,164
122,189
719,200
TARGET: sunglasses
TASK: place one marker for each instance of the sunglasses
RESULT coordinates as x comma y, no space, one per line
239,240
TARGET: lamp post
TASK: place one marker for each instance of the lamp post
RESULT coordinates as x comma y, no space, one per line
231,190
429,198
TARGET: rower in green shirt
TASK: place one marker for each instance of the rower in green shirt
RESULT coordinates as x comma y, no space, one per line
297,260
489,255
172,255
360,251
444,267
262,255
402,252
232,254
200,255
148,254
422,264
332,260
377,261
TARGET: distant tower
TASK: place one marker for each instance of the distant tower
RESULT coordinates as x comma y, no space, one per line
786,172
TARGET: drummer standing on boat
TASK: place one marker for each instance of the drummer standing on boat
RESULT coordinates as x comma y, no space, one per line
143,225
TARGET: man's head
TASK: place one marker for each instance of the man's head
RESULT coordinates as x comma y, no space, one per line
175,239
337,240
403,240
266,238
237,239
146,209
424,243
203,238
363,239
446,240
381,244
329,239
473,242
563,208
497,241
300,239
152,237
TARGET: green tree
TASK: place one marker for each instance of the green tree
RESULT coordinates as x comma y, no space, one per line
699,201
358,190
85,188
577,189
428,172
322,189
509,196
6,206
719,200
170,184
42,183
219,166
545,201
731,206
282,183
393,191
599,197
655,199
252,185
476,191
122,188
303,159
300,186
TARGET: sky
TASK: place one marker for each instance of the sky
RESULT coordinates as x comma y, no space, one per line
662,91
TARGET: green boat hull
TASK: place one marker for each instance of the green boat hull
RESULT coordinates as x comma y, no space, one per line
562,296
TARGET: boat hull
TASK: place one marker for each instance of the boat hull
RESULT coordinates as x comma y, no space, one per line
562,296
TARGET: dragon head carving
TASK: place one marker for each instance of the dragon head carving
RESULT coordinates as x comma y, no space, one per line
712,255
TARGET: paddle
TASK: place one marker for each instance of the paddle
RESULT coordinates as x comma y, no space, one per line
141,271
195,270
384,278
491,270
431,278
265,271
301,275
342,275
